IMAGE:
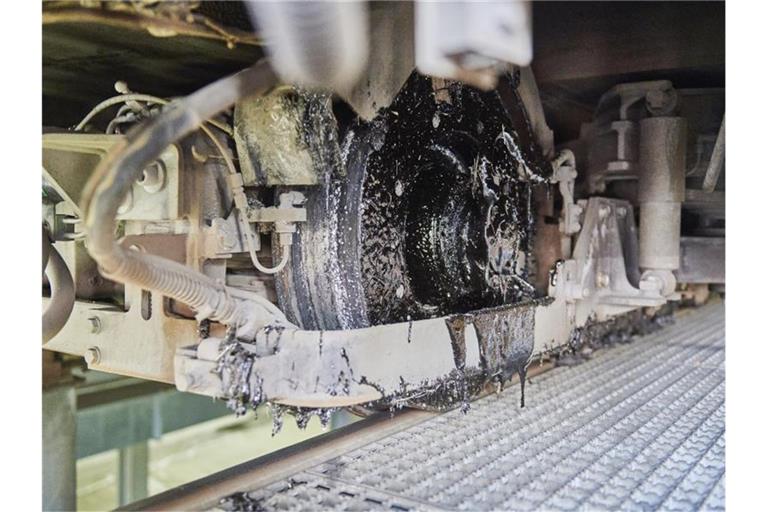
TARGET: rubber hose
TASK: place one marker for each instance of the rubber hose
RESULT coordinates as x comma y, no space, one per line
62,293
46,248
123,165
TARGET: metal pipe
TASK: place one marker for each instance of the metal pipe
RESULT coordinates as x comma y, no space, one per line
62,293
59,448
133,469
122,166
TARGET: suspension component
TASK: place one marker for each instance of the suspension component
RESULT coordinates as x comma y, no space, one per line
661,190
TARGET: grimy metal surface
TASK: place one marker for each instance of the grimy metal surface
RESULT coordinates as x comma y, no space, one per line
637,427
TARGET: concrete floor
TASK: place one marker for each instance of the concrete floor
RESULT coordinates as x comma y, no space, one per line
187,455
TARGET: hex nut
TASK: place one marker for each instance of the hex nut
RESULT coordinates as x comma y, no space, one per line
661,102
95,324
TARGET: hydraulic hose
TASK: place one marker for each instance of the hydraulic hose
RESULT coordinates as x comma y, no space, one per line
62,292
123,165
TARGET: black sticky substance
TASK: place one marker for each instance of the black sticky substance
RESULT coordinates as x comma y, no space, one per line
429,214
446,219
432,215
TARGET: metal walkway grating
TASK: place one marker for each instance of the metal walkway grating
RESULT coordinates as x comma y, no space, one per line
637,427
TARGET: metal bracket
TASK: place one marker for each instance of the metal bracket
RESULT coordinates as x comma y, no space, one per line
285,212
564,174
338,368
602,276
344,367
70,158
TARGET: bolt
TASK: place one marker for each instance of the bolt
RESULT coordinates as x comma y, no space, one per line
122,87
650,283
153,177
92,356
621,211
660,102
604,211
602,280
95,324
656,99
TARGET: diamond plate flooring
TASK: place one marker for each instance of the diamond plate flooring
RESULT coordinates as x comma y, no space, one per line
637,427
